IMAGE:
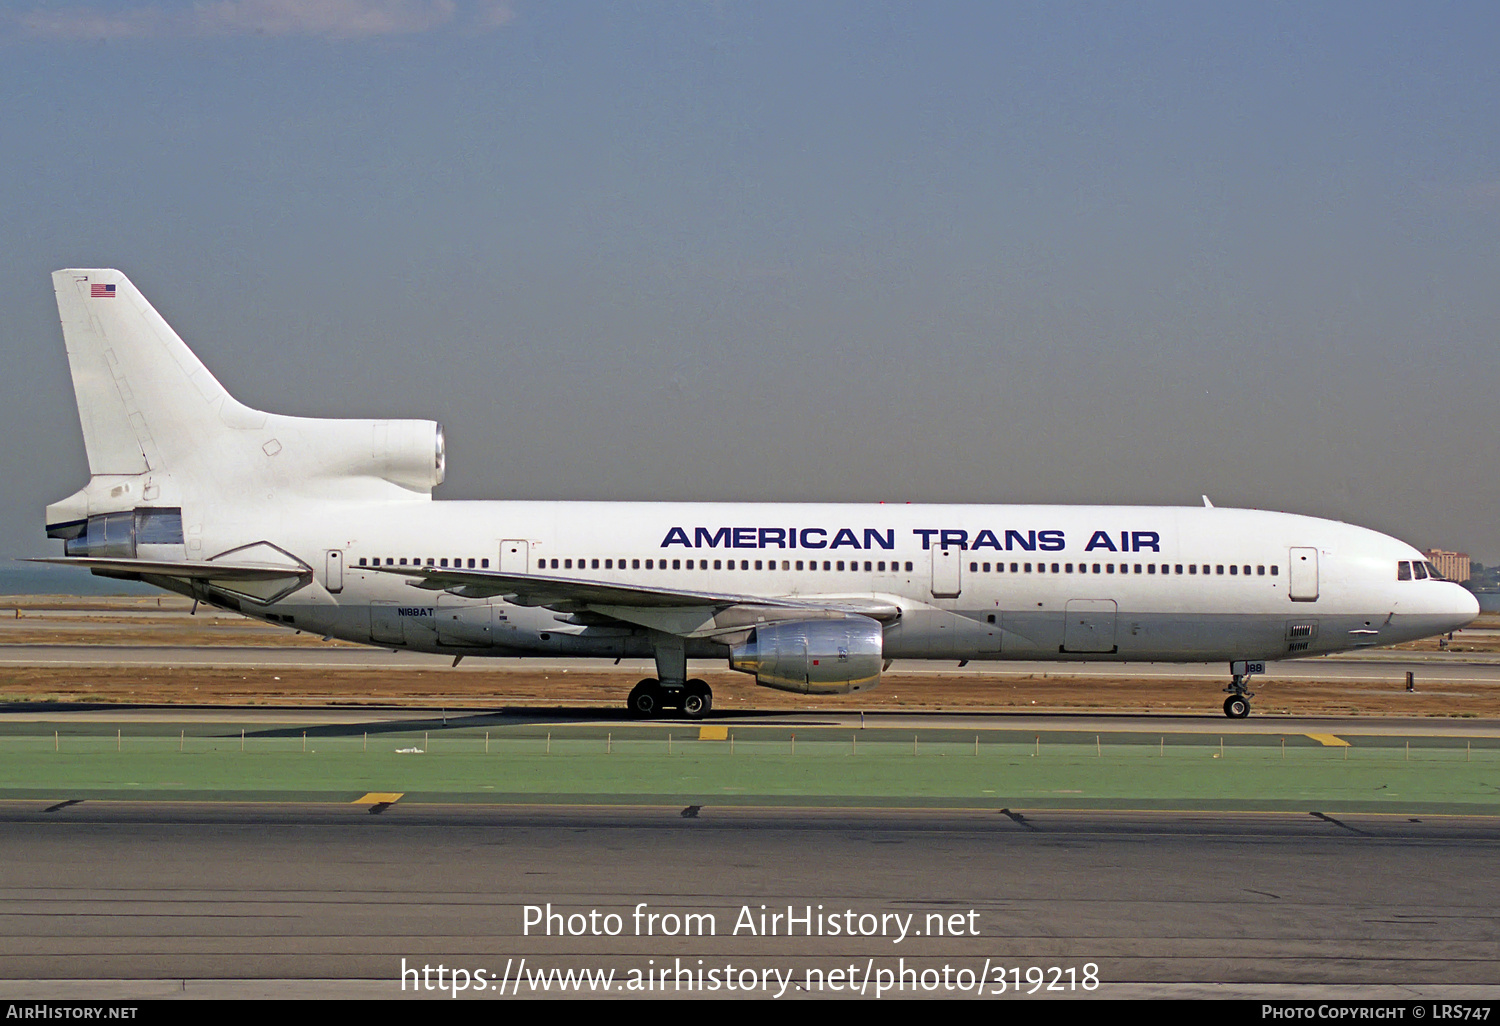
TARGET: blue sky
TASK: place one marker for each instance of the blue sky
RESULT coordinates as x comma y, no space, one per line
930,252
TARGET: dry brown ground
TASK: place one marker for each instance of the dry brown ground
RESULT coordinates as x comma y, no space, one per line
732,691
992,689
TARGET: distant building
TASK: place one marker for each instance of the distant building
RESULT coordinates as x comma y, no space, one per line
1452,565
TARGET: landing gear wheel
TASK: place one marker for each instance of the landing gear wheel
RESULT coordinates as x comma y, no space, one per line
697,700
647,698
1237,707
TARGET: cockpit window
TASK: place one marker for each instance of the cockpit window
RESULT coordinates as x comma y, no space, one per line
1403,570
1432,572
1421,570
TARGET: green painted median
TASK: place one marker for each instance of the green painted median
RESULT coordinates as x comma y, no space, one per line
757,766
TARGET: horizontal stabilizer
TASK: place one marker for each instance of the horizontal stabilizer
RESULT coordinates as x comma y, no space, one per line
200,571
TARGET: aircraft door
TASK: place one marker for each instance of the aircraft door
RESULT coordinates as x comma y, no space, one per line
1090,626
1302,582
515,557
333,575
385,624
947,572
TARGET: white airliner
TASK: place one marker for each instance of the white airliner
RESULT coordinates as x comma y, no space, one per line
330,526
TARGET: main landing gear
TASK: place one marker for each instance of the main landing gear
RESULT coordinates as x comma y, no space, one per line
670,688
1237,705
693,699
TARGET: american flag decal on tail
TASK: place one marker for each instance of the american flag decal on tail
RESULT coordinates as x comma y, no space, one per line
101,291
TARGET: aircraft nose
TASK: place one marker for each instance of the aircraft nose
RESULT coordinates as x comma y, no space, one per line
1461,605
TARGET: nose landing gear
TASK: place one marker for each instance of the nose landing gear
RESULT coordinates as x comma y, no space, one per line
1237,705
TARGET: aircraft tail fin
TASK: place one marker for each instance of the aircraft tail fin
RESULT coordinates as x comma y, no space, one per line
145,400
160,431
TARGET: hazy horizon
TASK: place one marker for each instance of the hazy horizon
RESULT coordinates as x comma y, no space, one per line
785,252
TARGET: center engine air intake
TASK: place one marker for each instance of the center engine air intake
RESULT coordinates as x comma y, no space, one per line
813,657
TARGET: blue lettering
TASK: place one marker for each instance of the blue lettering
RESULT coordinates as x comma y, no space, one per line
677,536
1100,540
926,536
808,532
954,539
744,537
772,536
986,540
885,541
719,537
845,537
1141,540
1028,543
1051,541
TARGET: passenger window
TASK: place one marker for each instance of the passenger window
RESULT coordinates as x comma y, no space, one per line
1260,571
1096,568
1014,567
1138,568
1219,570
1179,569
609,564
1028,567
827,565
1109,568
567,564
1233,570
485,563
635,564
908,566
593,564
1150,568
676,564
974,568
1054,568
867,566
361,561
1192,568
403,560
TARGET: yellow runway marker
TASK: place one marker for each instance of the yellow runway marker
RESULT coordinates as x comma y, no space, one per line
713,733
379,798
1329,741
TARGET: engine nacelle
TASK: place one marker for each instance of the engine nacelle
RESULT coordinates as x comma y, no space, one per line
813,657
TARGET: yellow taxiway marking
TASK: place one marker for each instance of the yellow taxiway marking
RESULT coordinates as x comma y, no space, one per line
379,798
713,733
1329,741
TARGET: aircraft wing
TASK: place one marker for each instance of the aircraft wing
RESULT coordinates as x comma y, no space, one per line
676,611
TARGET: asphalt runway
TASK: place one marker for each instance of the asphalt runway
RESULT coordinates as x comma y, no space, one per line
121,900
